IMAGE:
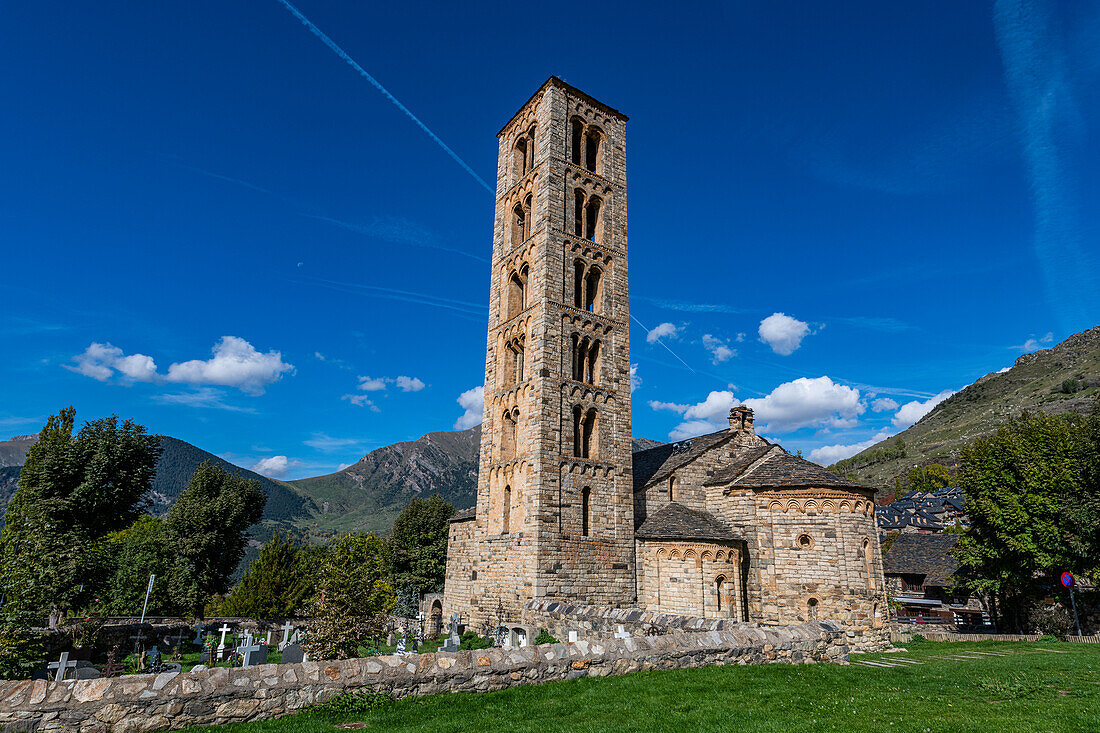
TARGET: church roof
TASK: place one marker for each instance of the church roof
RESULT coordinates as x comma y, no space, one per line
780,469
555,81
465,514
677,522
739,463
657,463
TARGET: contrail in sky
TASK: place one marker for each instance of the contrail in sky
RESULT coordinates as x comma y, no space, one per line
363,73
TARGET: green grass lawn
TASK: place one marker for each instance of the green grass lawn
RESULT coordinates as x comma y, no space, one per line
1029,690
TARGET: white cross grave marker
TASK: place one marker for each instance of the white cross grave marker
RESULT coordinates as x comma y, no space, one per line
62,665
621,634
287,628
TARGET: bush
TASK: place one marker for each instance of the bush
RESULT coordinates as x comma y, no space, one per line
1048,638
545,638
358,702
917,639
471,640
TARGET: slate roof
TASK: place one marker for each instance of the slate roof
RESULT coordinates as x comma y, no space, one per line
465,514
657,463
676,522
923,554
780,469
737,465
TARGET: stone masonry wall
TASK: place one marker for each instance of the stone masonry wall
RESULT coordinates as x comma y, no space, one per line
223,695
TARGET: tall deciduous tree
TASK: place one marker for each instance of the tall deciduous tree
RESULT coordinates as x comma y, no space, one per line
73,489
207,527
419,544
1033,499
277,583
929,478
355,593
130,557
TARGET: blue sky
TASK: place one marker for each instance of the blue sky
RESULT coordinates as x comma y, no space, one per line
213,224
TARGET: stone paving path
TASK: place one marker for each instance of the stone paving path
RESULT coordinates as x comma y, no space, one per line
900,661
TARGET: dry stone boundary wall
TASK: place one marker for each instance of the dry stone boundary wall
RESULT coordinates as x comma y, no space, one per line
224,695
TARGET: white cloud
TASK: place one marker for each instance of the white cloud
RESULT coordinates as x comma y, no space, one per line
235,363
662,330
1034,344
739,337
328,444
367,384
783,333
911,412
409,384
635,380
705,417
204,397
319,356
674,406
361,400
804,402
718,348
827,455
884,404
378,384
342,466
472,401
274,467
101,361
1002,370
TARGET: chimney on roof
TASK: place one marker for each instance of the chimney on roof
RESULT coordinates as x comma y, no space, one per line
741,421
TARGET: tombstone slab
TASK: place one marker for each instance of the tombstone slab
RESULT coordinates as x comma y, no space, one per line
253,655
293,654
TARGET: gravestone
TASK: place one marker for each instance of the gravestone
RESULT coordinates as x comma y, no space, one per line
293,654
391,639
401,646
288,629
453,640
621,633
197,641
62,666
222,651
253,654
204,658
86,673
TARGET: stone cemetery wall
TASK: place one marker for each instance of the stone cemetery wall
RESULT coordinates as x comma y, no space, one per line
224,695
603,622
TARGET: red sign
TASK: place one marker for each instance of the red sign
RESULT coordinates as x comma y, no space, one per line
1067,580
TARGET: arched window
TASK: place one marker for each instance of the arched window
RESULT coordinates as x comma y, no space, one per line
519,224
519,158
672,488
593,138
517,292
593,290
589,437
576,141
592,219
506,511
578,283
512,369
508,435
591,371
586,495
811,609
577,437
530,149
866,546
586,359
719,589
578,212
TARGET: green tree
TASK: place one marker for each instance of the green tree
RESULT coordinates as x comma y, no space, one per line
276,584
1033,499
130,556
207,527
355,595
73,490
419,545
929,478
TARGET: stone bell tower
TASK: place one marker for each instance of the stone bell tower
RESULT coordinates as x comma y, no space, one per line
555,513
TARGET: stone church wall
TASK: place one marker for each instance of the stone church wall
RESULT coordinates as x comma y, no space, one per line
223,695
683,578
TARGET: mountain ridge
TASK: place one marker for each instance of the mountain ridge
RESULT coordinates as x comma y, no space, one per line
1063,378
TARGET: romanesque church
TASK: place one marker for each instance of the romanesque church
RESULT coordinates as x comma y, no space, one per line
725,525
